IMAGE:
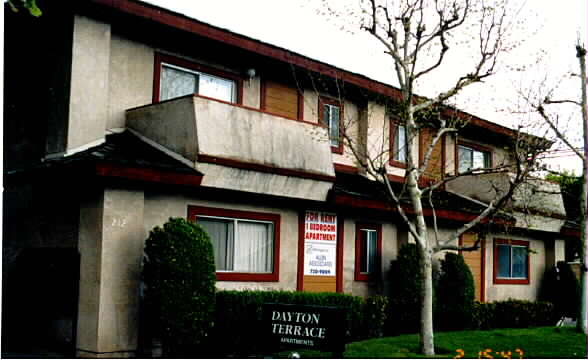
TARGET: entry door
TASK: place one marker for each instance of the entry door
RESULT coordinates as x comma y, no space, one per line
475,261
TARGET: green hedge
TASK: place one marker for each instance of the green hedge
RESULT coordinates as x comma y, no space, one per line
238,315
513,314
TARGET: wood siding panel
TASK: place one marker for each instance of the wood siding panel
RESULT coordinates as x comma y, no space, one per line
281,99
320,283
474,260
436,164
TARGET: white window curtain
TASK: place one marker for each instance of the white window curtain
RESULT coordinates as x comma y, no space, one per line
175,83
240,245
254,248
216,88
221,235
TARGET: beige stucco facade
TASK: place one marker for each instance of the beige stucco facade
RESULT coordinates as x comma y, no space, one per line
274,164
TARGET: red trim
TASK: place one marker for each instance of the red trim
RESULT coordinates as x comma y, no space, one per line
194,211
346,168
187,64
340,249
203,158
495,270
149,175
300,106
359,276
347,200
300,270
325,100
393,129
566,231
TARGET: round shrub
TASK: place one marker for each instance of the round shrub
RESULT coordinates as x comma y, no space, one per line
179,275
405,291
455,294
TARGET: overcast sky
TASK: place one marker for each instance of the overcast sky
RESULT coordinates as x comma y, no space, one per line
548,27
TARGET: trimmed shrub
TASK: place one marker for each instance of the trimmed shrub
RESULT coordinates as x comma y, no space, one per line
179,274
561,287
455,294
239,313
405,291
375,316
513,314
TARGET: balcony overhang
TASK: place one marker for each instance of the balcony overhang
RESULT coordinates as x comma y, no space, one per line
536,204
240,148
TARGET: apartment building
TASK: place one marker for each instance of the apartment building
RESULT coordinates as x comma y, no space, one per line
120,115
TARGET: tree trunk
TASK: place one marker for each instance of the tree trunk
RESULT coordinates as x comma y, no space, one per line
427,337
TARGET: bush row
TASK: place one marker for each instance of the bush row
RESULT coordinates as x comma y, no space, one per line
513,314
237,329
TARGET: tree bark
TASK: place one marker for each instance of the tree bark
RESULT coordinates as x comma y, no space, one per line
427,335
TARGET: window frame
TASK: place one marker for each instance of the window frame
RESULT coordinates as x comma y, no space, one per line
510,280
474,147
394,125
274,276
359,276
322,100
161,59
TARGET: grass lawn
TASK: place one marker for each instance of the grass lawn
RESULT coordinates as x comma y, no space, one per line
543,342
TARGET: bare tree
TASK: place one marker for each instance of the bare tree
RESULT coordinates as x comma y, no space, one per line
418,35
540,103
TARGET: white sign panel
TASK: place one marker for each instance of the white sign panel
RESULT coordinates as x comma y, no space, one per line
320,243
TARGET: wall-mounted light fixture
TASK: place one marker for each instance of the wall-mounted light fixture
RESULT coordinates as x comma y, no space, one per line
250,75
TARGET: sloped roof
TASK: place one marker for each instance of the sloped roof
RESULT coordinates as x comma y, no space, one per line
127,150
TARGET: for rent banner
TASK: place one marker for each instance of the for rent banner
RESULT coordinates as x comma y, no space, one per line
320,243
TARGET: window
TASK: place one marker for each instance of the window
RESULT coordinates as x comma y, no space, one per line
398,145
368,249
177,77
472,157
245,243
331,112
511,261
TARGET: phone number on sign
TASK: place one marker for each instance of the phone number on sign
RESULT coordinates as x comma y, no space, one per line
320,272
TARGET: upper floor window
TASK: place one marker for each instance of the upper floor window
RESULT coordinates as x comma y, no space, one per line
331,115
473,157
245,243
178,77
368,247
398,145
511,261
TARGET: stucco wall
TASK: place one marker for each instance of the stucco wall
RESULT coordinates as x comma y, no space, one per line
537,257
131,78
159,207
88,109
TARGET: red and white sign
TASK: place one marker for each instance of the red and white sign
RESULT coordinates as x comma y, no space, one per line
320,243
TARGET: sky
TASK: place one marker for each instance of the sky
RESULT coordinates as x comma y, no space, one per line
547,30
